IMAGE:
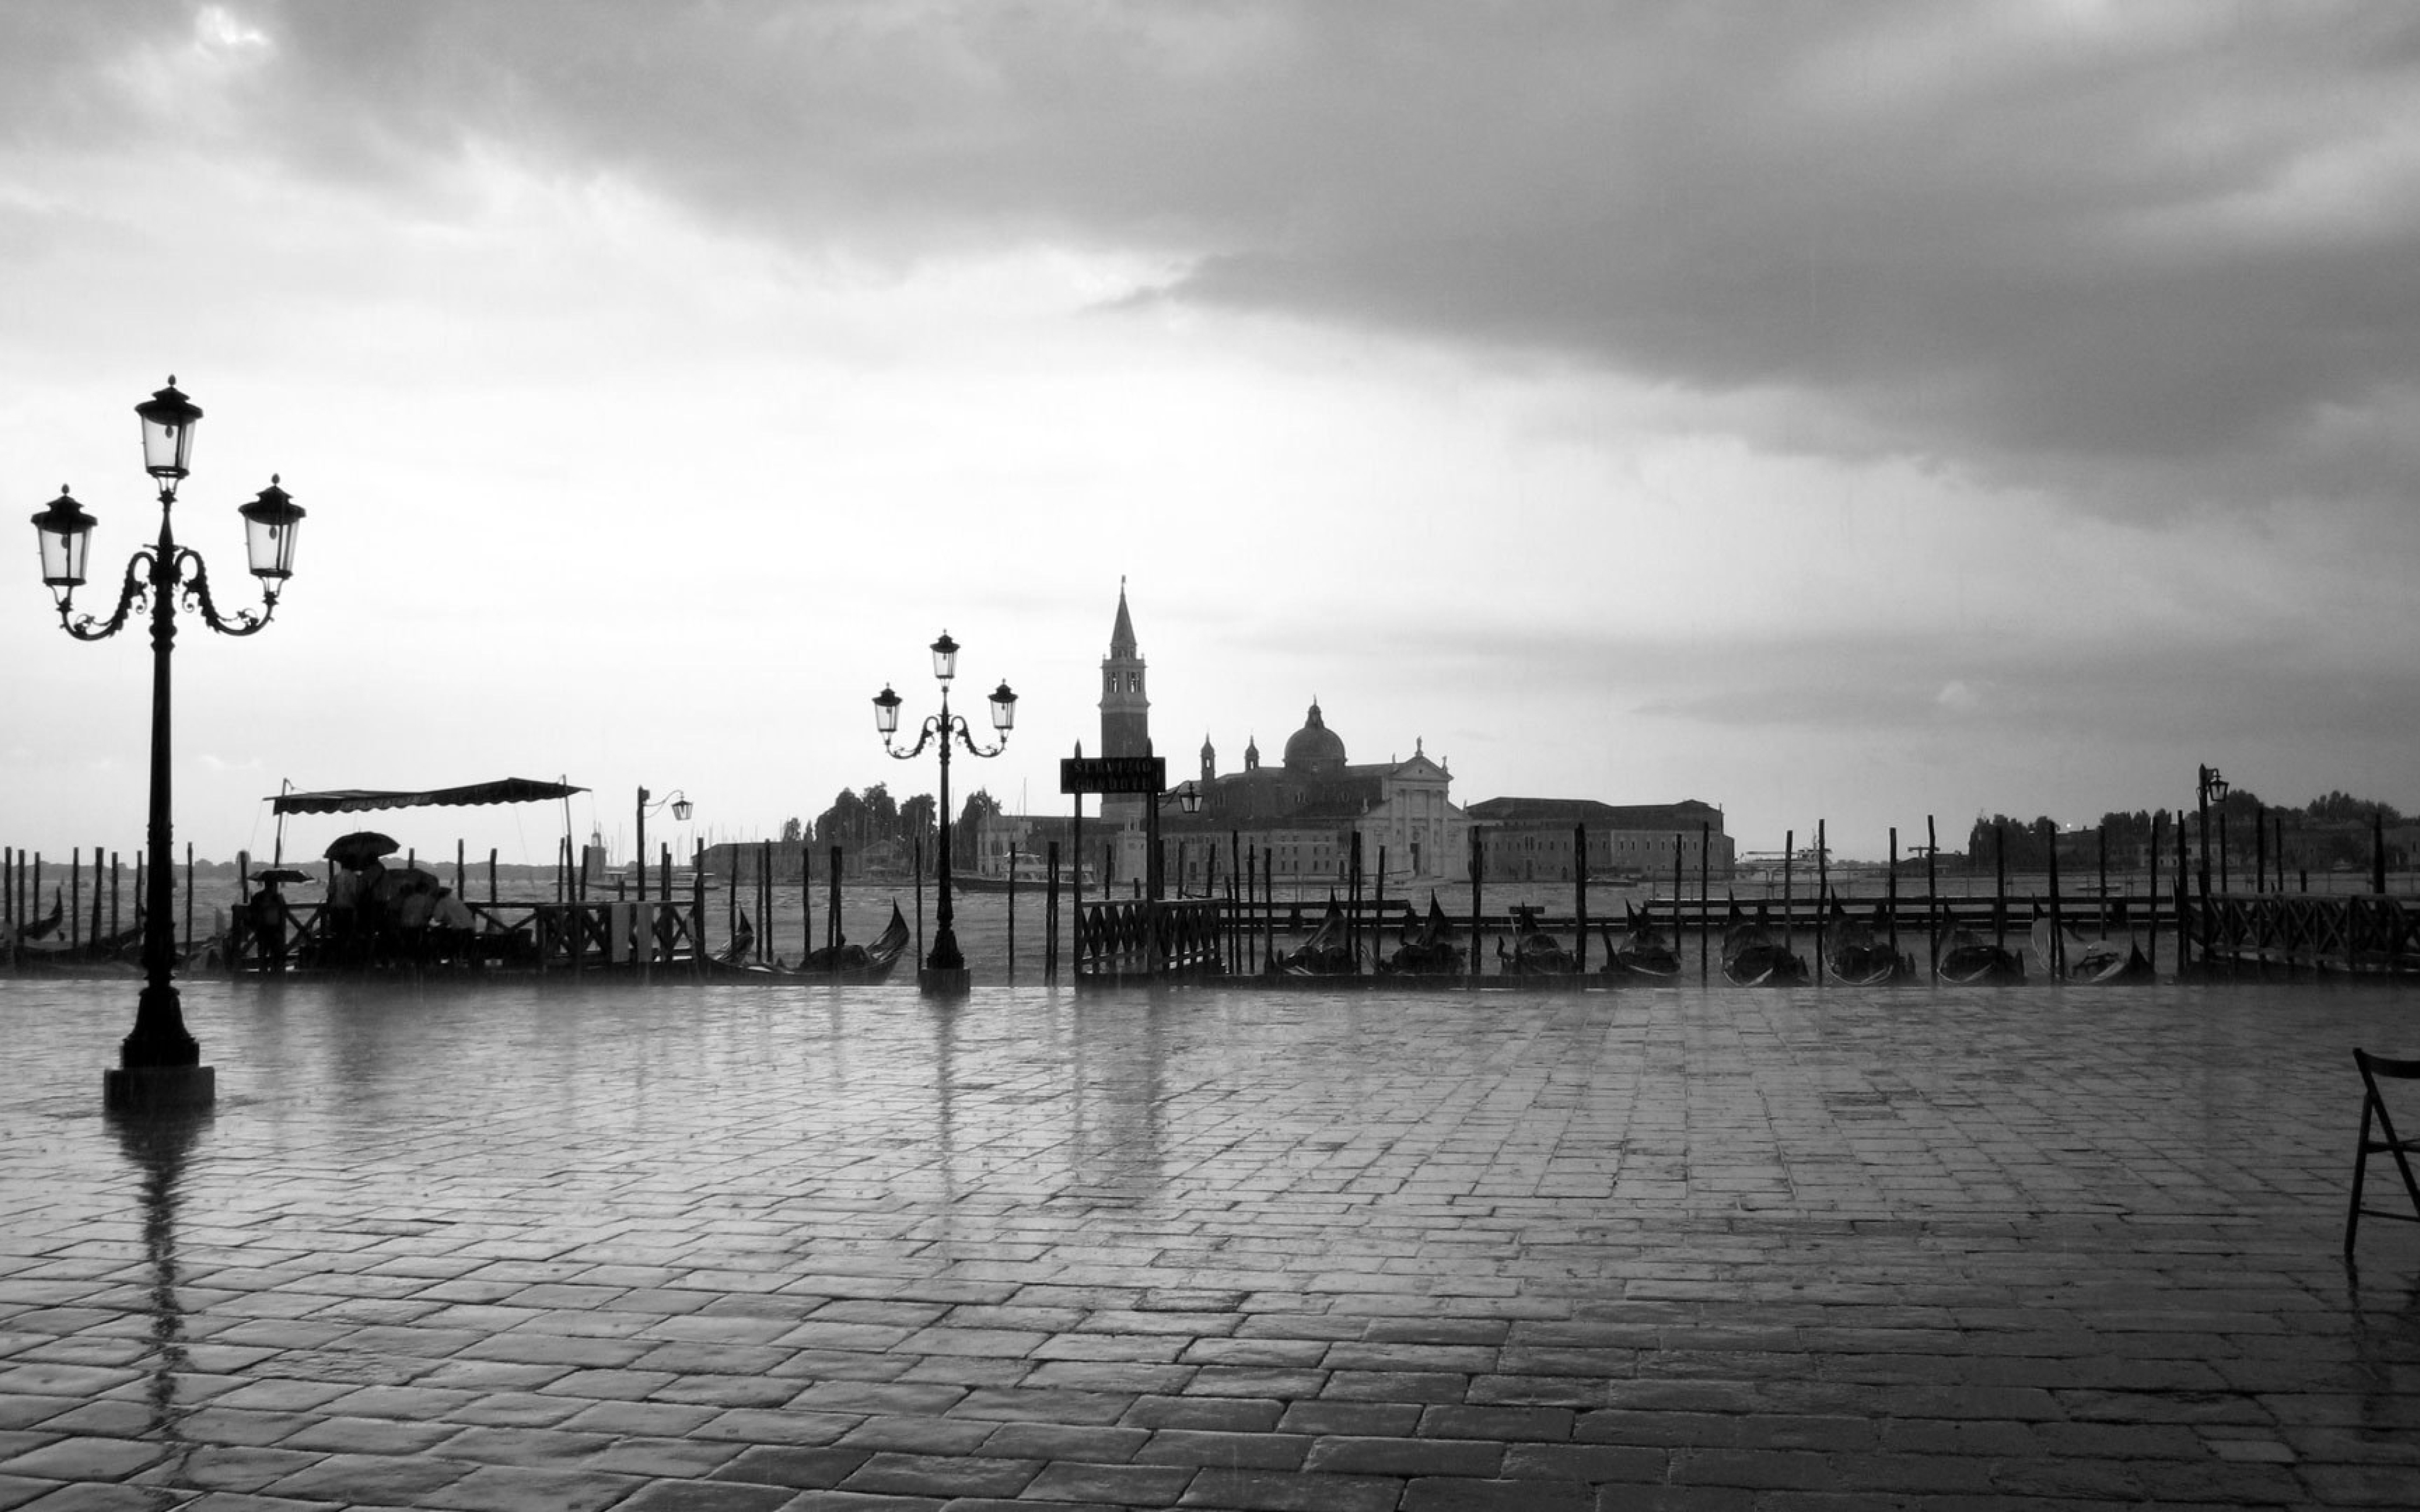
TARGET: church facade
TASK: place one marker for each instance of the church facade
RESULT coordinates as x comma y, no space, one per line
1300,815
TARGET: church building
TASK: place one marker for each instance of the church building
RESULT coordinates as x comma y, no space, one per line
1301,815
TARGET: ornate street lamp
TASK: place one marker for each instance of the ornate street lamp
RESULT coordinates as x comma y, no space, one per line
2208,788
945,970
1187,795
680,806
160,1061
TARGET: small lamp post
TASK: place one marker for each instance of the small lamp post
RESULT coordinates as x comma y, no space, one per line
944,972
160,1065
2208,788
680,806
1187,795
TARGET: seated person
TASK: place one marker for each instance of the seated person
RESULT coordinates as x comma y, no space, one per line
449,925
412,921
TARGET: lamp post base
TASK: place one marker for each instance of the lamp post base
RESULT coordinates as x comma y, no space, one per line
943,981
157,1088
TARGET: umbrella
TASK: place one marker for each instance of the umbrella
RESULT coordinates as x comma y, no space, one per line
398,880
280,874
360,846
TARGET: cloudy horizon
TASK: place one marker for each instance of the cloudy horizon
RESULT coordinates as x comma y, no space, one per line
1854,413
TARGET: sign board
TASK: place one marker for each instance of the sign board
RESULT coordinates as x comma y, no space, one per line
1112,774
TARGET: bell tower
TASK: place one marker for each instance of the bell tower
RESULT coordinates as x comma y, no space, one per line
1126,708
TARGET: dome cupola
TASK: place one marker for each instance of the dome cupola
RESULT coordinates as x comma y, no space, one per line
1314,747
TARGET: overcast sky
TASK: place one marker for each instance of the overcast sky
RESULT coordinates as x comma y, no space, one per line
1847,412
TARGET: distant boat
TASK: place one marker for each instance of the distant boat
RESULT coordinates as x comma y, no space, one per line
1030,873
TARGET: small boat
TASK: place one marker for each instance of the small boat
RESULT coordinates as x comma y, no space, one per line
1535,953
859,965
1969,960
743,939
1856,953
1328,952
1643,950
1752,957
34,929
1425,951
2094,960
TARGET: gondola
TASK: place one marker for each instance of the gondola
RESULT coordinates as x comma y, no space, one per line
34,929
859,965
1535,953
1643,950
845,964
1425,951
1328,952
1857,954
1969,960
1753,958
2096,960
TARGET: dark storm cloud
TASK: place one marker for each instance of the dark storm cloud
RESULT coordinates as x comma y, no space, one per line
2140,254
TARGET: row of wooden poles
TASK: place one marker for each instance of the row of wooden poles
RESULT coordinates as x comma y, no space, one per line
1250,881
21,897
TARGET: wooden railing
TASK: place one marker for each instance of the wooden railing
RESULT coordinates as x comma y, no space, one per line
2362,934
534,936
1140,940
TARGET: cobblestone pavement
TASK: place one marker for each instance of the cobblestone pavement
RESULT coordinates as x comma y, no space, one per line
753,1248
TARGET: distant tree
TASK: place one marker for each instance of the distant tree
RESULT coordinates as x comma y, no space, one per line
2024,845
2343,807
793,831
881,813
915,823
843,823
965,831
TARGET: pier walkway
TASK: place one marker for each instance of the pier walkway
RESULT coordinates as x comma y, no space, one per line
567,1247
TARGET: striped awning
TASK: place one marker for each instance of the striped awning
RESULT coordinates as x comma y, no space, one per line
359,800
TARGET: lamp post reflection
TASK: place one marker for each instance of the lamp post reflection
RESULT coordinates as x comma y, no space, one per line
159,1147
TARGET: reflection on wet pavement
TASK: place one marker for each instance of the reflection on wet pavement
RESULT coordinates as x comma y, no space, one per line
547,1245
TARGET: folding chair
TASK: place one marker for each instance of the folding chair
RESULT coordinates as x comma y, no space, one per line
2372,1105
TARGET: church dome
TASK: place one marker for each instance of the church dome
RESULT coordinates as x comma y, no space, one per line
1315,747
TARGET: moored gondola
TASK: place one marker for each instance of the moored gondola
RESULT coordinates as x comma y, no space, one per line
1425,951
1856,952
1643,951
1753,958
1968,960
2068,956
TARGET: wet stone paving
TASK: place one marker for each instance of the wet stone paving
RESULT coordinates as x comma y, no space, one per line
546,1246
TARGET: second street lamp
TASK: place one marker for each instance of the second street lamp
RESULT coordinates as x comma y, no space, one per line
2208,788
944,971
680,806
160,1061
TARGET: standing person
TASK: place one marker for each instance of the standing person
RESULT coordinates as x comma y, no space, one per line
371,944
266,920
343,936
412,920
